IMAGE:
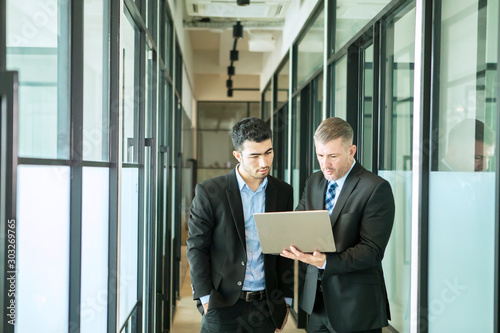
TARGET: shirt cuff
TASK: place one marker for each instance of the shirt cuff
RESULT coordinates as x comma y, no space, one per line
204,299
324,265
288,301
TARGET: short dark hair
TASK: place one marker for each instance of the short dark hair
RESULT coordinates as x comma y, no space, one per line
333,128
250,129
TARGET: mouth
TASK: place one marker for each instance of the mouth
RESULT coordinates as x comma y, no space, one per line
266,170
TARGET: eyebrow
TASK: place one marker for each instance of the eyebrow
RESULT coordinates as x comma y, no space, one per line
257,154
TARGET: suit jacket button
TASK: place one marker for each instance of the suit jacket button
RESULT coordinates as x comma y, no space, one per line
242,263
239,283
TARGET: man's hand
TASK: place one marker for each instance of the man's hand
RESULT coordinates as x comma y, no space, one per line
317,258
284,321
205,308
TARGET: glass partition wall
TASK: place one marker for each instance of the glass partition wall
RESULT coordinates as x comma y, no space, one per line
90,85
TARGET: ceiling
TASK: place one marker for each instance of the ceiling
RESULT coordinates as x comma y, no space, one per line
210,25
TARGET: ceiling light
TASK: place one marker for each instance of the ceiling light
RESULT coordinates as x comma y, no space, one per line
233,55
243,2
237,30
230,93
230,70
229,83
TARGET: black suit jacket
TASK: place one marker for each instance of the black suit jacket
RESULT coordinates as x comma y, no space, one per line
353,283
217,246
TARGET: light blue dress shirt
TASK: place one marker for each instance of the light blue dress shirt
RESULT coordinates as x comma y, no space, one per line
253,202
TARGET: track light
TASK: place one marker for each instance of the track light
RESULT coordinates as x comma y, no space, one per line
230,93
237,30
230,70
243,2
233,55
229,83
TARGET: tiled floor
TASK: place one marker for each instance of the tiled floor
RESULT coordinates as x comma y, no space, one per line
188,320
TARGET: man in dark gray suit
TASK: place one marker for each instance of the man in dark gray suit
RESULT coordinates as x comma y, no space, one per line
345,291
237,287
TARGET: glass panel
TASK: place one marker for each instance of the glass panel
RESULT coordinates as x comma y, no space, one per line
42,293
215,150
38,47
283,84
95,213
95,83
317,118
130,100
310,50
367,121
220,116
396,142
462,181
296,153
267,107
352,16
340,88
254,110
128,242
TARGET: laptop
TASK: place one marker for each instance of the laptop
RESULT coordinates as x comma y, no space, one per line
306,230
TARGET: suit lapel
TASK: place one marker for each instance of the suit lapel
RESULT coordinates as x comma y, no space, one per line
271,196
318,200
234,199
349,185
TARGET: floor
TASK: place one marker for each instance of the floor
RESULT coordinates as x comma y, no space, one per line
188,320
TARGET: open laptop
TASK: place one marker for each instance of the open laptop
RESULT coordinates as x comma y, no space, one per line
306,230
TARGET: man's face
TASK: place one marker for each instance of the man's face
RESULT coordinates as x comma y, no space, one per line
256,159
482,155
335,158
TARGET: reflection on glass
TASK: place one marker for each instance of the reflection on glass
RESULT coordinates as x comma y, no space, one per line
367,121
38,35
130,104
283,84
220,116
462,181
42,290
128,242
94,288
310,50
340,88
352,16
95,105
296,153
395,156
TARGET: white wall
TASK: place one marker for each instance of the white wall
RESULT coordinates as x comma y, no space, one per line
297,15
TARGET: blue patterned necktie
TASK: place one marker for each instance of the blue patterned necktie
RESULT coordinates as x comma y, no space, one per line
330,196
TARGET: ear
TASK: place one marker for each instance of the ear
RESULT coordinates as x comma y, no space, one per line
237,155
352,150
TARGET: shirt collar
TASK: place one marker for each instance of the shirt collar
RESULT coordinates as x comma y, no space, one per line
242,183
340,182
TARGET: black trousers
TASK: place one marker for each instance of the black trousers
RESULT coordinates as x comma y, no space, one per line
319,322
243,317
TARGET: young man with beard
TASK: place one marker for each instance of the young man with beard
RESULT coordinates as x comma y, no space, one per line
237,287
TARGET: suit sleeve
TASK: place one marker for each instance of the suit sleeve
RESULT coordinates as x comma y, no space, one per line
284,266
200,228
374,231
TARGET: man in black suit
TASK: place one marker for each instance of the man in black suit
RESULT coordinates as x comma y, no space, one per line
345,291
238,288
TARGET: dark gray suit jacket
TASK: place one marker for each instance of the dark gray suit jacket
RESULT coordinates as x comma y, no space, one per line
217,246
353,283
